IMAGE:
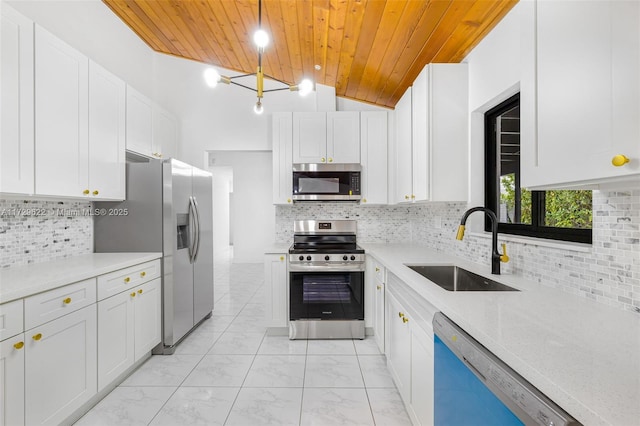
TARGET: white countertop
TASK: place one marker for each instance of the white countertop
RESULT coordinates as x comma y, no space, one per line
277,248
24,281
583,355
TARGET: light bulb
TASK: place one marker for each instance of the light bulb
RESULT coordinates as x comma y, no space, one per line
261,38
257,108
305,87
211,77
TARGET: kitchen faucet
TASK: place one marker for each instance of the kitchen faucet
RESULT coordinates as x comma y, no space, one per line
496,257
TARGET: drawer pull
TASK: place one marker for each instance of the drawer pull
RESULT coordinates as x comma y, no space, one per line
400,314
37,337
95,192
377,269
281,258
19,345
126,280
379,287
143,273
133,294
619,160
85,192
140,291
405,320
67,300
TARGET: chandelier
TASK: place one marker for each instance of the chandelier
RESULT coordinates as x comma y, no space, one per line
261,39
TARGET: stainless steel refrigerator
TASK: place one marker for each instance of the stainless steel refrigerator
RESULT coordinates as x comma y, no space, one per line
169,209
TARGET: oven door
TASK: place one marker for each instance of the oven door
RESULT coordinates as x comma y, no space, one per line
326,295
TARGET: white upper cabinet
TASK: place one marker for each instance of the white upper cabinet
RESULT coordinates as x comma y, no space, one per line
326,137
402,166
61,124
373,139
580,93
107,118
282,146
139,122
343,137
165,133
17,107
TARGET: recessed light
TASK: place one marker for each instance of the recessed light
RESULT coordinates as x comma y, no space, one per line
317,67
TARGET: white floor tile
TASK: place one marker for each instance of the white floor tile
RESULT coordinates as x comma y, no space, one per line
197,343
163,370
324,371
331,347
237,343
325,407
220,370
281,345
216,324
375,372
267,406
197,406
245,324
387,407
276,371
367,346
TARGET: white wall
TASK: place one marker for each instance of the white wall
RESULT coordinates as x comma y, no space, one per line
253,212
222,187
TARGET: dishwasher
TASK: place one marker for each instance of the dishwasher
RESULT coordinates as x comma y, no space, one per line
473,387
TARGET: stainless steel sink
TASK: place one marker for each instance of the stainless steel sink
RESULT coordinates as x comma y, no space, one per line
453,278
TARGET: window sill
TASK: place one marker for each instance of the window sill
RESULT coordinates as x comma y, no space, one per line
540,242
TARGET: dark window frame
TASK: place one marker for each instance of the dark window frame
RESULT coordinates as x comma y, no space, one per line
492,193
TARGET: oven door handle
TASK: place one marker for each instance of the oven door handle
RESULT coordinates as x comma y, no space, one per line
326,268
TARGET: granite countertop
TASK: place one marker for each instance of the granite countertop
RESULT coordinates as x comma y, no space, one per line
583,355
24,281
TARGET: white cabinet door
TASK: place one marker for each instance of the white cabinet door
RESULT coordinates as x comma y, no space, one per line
275,276
378,316
115,337
16,103
107,120
139,122
12,381
309,137
399,349
580,92
420,127
403,157
60,367
373,139
61,120
422,374
165,133
282,143
147,317
343,137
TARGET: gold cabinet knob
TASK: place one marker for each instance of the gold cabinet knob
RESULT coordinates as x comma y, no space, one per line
377,269
85,192
364,200
37,337
619,160
413,197
330,160
406,197
127,279
288,200
18,345
133,294
281,258
67,301
157,154
140,291
405,320
379,287
400,314
143,273
322,160
95,192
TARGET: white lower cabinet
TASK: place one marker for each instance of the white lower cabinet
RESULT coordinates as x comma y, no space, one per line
374,313
128,328
399,351
12,381
378,315
422,375
60,367
275,277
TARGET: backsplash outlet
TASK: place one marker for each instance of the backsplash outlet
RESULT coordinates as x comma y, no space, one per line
38,231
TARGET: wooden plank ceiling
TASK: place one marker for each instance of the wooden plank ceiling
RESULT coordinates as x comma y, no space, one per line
369,50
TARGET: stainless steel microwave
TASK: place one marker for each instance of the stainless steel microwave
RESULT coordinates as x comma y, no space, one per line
326,182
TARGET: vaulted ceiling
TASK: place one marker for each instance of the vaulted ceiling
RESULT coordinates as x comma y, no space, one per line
369,50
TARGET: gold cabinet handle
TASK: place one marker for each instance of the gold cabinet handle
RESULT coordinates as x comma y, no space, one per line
157,154
85,192
281,258
95,192
143,273
330,160
127,279
288,200
405,320
37,337
406,197
67,301
379,287
140,291
133,294
413,197
19,345
400,314
619,160
364,200
377,269
322,160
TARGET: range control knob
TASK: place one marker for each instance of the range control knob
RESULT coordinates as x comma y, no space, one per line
353,257
301,258
309,258
344,257
326,258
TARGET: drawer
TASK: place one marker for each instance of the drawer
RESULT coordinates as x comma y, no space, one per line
53,304
11,319
124,279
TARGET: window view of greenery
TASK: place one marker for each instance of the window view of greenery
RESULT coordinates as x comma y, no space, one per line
559,214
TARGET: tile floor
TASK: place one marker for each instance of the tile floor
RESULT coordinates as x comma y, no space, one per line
229,372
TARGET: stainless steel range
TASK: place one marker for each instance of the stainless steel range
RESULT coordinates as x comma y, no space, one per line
326,281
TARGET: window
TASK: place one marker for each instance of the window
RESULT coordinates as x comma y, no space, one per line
558,214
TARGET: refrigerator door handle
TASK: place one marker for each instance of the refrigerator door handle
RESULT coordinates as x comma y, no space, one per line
192,231
197,243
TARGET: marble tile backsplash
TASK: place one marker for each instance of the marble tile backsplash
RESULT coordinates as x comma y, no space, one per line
608,271
38,231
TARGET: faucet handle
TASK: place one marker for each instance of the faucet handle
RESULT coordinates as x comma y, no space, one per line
503,257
